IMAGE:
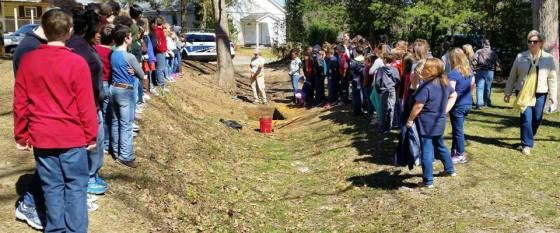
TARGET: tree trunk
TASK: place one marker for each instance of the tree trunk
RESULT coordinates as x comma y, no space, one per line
184,15
225,75
545,20
1,41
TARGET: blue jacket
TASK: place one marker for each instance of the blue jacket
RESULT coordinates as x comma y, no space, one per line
409,148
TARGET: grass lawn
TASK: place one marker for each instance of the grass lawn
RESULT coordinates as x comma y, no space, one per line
320,171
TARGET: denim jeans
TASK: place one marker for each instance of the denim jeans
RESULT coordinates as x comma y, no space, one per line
458,115
366,93
106,114
140,93
332,86
170,66
64,180
95,158
430,145
177,61
122,110
531,120
484,87
33,195
388,100
356,97
161,69
295,82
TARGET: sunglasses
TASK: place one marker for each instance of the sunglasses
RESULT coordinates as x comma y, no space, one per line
533,41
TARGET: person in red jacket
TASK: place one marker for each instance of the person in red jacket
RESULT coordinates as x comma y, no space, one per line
55,114
160,44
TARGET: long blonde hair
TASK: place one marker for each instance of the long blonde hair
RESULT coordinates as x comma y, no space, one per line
468,49
459,61
435,69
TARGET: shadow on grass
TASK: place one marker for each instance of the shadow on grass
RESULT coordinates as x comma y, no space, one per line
383,180
365,139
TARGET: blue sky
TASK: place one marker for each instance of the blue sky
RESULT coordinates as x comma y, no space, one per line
281,2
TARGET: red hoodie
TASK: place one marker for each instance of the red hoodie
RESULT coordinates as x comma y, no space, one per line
53,100
161,41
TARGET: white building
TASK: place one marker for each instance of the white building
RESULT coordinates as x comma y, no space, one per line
258,22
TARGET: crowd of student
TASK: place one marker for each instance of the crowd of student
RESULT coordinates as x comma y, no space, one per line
406,88
82,78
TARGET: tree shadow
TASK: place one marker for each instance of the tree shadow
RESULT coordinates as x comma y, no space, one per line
380,148
385,180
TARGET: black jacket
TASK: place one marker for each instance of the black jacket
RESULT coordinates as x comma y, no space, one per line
81,47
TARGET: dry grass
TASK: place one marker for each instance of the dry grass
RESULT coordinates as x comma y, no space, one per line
321,171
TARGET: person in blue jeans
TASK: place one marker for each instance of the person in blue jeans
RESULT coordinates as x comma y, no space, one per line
433,99
533,77
123,97
60,155
295,71
462,81
486,63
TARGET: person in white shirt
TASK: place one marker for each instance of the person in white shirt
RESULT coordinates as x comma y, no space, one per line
257,77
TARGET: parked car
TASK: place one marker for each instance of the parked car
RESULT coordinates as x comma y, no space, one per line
201,46
11,41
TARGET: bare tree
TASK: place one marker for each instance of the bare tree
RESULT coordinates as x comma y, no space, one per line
225,75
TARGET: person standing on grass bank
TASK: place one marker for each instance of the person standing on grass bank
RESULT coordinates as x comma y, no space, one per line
533,78
386,78
257,77
160,45
82,42
123,100
68,107
104,51
434,98
486,63
32,201
461,79
295,71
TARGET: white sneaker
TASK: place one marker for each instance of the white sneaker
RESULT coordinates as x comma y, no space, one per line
92,197
526,150
92,206
147,97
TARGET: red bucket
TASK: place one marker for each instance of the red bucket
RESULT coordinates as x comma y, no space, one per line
266,124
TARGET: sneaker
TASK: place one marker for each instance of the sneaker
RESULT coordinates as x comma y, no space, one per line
453,174
424,185
92,197
95,188
29,215
92,206
147,97
135,127
100,181
131,164
459,159
526,150
139,110
165,90
154,92
134,134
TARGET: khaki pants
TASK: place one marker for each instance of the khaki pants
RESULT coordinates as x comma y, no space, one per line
258,82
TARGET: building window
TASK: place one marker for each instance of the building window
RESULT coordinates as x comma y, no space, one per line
28,10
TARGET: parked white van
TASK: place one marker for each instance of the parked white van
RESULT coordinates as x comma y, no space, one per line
201,46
